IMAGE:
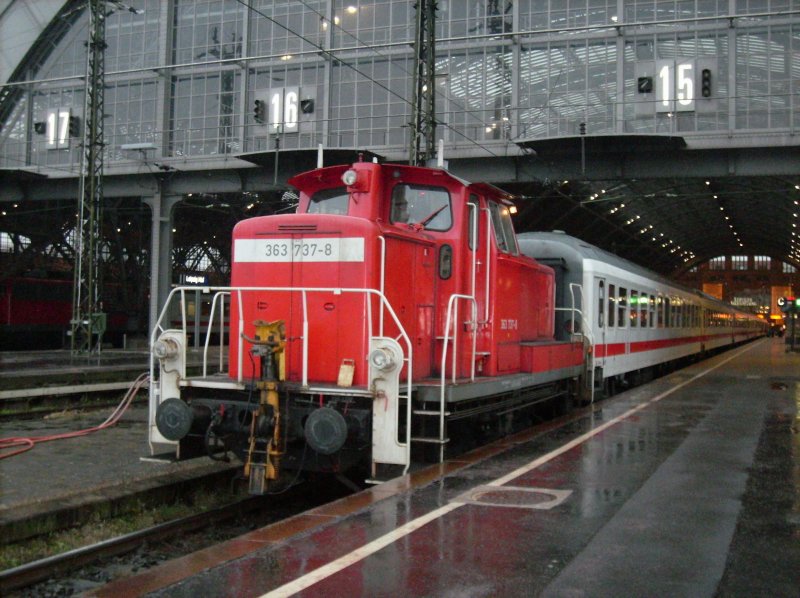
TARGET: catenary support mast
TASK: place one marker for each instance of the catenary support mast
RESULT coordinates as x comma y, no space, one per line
423,99
88,323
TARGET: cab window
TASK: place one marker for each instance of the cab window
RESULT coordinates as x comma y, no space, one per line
427,207
503,228
329,201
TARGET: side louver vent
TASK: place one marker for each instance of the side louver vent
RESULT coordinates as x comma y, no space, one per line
297,227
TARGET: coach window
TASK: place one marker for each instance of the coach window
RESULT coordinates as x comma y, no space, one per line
622,307
667,323
660,311
652,311
329,201
643,305
601,303
612,308
426,207
634,313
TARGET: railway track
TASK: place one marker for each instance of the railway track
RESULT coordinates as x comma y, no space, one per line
256,510
26,403
36,571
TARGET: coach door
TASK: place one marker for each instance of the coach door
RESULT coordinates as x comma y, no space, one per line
599,326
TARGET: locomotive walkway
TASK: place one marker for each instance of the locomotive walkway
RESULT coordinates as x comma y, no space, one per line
684,487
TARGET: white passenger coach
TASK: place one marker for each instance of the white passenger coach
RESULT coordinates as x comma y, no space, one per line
636,321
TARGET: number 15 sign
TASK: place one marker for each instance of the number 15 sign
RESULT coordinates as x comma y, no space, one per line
675,85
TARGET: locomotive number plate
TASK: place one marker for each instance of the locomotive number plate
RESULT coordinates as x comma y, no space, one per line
316,249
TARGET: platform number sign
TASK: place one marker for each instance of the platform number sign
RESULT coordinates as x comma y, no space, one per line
57,128
675,85
284,109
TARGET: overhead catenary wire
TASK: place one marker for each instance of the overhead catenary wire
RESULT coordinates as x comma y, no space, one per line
335,60
19,445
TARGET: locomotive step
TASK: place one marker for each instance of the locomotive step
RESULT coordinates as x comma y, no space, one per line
427,440
426,412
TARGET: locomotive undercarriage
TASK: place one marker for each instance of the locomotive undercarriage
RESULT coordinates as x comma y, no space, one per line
474,422
319,433
331,433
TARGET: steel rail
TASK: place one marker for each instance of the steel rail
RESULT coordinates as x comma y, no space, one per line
42,569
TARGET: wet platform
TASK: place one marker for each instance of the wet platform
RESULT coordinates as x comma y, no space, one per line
687,486
67,480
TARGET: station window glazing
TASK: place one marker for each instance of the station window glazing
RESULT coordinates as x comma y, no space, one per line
717,263
204,119
739,262
381,21
476,95
541,14
762,262
764,85
563,85
567,63
284,28
207,30
131,115
13,138
369,103
131,37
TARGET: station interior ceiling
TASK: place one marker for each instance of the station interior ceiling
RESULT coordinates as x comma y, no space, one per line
670,224
666,224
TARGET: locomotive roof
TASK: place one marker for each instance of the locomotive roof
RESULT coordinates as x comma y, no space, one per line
588,251
484,189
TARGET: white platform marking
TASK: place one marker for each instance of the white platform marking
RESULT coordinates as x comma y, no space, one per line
359,554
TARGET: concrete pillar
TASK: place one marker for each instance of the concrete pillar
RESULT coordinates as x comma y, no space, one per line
160,252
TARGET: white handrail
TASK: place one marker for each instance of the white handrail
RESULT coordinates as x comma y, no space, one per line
382,241
368,293
488,261
210,327
452,315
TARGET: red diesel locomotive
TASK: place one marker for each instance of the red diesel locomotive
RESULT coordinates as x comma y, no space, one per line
394,309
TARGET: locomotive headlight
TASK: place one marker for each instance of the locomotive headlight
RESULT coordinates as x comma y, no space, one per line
350,177
383,359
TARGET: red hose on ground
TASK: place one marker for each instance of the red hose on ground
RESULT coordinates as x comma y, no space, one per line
26,444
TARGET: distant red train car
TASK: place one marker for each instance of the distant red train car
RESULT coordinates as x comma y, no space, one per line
394,309
35,313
